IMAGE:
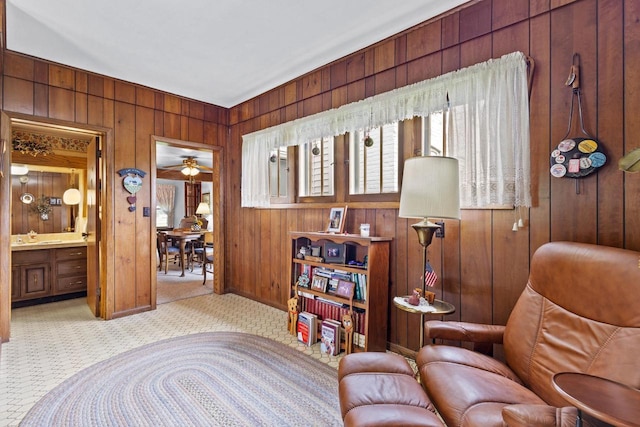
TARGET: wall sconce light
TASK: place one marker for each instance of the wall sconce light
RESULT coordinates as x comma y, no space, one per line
19,170
72,197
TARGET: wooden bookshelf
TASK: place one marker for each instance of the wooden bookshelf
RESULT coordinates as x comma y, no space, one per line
372,307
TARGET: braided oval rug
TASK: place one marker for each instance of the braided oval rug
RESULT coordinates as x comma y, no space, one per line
204,379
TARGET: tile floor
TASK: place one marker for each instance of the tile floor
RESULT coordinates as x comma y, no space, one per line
51,342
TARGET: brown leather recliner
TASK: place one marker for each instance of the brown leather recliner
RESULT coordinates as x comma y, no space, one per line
579,312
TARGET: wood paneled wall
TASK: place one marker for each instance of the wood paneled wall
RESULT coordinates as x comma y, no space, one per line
483,264
129,114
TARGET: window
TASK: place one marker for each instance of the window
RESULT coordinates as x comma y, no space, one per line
433,133
316,166
162,218
278,168
373,161
487,131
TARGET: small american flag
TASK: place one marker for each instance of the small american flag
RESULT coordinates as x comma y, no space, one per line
430,276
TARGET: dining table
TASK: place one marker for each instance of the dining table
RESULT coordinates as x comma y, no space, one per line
181,237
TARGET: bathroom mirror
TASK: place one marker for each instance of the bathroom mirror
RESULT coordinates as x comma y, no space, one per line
38,202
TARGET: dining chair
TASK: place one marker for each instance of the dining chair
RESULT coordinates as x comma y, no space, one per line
165,250
208,260
200,248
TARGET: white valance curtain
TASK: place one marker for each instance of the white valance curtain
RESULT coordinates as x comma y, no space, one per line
502,81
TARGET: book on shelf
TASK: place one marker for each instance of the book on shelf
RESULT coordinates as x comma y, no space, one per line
357,291
331,302
330,337
333,286
361,280
307,328
322,271
305,294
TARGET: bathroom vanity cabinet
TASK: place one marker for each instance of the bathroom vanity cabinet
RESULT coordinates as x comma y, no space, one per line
38,273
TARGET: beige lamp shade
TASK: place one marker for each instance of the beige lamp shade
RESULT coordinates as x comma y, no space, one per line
430,188
71,196
630,162
203,209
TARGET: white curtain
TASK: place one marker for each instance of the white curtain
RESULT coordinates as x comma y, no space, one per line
165,196
488,133
419,99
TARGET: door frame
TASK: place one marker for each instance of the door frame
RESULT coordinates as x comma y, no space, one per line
7,120
217,197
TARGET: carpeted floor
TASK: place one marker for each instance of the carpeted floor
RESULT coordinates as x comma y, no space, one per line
172,287
212,378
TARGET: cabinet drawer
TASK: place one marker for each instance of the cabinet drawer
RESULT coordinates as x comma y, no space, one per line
29,257
74,267
70,284
71,253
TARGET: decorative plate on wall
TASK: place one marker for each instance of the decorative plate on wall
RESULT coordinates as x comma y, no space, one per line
576,158
26,198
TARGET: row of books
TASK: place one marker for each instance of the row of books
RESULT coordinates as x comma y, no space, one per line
327,309
332,281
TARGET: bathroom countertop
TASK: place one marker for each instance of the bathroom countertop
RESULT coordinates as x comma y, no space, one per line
47,244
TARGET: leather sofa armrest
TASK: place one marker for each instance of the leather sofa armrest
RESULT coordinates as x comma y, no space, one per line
463,331
523,415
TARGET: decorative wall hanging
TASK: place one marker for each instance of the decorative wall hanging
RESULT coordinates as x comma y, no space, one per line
576,157
42,144
42,207
132,182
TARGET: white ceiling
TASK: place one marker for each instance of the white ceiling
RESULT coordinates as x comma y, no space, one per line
223,52
171,155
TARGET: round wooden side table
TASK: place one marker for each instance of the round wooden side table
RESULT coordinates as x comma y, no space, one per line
606,400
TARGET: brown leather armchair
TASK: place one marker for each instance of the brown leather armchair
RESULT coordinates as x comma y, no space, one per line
579,312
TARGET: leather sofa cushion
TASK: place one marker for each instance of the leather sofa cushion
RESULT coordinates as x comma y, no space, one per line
381,390
481,385
374,362
384,399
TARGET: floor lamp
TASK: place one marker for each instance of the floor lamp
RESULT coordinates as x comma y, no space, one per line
429,190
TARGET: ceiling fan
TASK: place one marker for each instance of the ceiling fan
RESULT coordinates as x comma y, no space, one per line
190,167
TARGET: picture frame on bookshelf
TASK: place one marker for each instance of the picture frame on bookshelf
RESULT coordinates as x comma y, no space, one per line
337,253
319,283
336,220
345,289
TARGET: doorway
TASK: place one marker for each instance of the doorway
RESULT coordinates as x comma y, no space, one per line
191,172
54,157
